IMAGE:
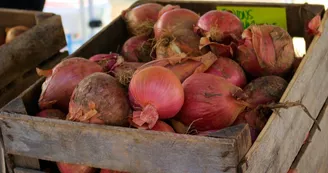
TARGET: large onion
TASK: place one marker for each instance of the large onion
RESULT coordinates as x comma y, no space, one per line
228,69
211,102
174,34
156,93
100,99
141,19
59,86
220,26
267,50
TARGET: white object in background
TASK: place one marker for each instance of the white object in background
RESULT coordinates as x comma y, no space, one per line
299,46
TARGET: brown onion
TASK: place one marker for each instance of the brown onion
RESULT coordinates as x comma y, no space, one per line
99,99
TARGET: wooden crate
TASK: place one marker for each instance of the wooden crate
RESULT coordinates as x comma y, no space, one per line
39,46
28,138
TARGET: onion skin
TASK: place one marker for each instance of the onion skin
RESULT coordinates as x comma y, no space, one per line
267,50
218,49
141,19
264,90
73,168
138,49
183,66
313,25
58,88
210,102
156,93
174,34
99,99
220,26
230,70
107,61
51,113
14,32
163,127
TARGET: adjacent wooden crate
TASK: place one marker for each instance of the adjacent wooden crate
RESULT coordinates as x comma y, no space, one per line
27,138
39,46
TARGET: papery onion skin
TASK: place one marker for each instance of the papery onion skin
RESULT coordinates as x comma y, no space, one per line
58,88
157,92
74,168
220,26
230,70
138,49
99,99
267,50
210,102
141,19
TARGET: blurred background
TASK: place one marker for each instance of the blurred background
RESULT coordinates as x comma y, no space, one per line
84,18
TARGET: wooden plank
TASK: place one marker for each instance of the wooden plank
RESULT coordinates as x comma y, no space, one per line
37,43
122,149
315,151
24,170
17,86
282,137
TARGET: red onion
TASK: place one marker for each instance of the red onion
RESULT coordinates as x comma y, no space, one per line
58,88
73,168
174,34
183,66
167,8
141,19
163,127
220,26
14,32
138,49
252,121
156,93
51,113
264,90
267,50
228,69
210,102
107,61
99,99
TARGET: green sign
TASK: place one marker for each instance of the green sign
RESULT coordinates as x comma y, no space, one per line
258,15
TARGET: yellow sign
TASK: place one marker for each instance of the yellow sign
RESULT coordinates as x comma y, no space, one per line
258,15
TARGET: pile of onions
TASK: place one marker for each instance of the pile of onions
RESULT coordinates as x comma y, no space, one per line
141,19
73,168
138,49
230,70
155,93
174,33
267,50
14,32
211,102
59,86
184,66
99,99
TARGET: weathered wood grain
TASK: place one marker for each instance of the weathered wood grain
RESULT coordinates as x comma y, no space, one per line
30,49
282,137
120,148
313,155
